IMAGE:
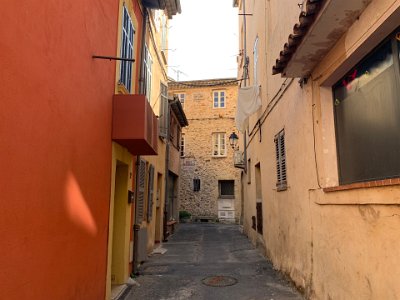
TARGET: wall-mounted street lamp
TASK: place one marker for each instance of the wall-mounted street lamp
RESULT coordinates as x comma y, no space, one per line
233,139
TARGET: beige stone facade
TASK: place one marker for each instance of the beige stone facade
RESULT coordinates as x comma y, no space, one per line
206,160
336,240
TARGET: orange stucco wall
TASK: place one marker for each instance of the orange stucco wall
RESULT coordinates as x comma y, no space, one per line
55,147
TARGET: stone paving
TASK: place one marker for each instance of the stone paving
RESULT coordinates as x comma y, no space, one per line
219,252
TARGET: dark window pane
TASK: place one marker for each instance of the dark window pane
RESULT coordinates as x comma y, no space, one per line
367,114
226,187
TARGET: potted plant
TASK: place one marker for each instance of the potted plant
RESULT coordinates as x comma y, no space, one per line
184,216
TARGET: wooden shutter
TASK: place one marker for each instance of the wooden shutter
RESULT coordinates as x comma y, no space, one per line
280,152
150,194
140,182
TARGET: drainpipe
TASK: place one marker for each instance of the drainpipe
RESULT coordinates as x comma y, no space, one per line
165,229
136,226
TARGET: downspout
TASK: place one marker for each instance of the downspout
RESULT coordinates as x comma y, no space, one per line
165,229
136,226
245,75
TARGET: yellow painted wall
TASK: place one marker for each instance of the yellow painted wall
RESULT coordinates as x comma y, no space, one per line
119,203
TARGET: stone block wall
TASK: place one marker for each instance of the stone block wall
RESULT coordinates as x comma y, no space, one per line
198,161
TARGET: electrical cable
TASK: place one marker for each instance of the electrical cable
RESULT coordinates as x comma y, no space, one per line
206,84
271,105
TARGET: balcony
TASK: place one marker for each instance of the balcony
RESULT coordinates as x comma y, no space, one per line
238,159
135,126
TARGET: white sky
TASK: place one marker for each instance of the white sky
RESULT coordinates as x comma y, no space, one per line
205,37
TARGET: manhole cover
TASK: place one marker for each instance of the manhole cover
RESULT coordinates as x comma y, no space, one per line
219,281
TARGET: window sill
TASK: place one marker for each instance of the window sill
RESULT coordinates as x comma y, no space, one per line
378,192
226,197
219,156
363,185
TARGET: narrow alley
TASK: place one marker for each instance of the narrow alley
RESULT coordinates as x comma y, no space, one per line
210,261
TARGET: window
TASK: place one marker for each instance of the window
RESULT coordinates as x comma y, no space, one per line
163,32
367,116
196,185
182,148
249,171
150,193
181,98
219,147
128,34
163,110
280,153
255,58
148,63
219,99
226,188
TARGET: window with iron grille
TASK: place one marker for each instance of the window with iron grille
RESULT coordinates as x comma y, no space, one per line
196,185
367,116
219,99
226,188
219,144
280,153
148,64
128,35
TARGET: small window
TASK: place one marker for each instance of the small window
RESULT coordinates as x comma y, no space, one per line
182,98
280,153
226,188
196,185
182,147
219,144
219,99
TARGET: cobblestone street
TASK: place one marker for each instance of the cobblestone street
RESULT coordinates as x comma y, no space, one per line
210,261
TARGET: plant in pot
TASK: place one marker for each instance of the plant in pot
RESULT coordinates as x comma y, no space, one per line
184,216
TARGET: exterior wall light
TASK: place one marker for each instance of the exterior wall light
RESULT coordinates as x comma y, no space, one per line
233,139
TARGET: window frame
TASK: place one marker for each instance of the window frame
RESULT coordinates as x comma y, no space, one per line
217,104
148,74
127,50
255,60
219,136
226,196
351,78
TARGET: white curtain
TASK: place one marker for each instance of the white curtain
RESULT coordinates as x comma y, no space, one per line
247,104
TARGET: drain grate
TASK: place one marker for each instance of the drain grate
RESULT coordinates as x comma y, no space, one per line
219,281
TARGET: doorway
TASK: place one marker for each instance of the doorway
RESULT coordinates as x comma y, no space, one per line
157,237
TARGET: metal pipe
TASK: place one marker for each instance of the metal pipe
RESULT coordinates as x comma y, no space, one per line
113,58
136,226
165,229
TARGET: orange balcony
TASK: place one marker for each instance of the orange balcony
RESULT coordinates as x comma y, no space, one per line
134,124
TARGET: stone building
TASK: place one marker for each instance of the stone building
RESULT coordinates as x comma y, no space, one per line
210,185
